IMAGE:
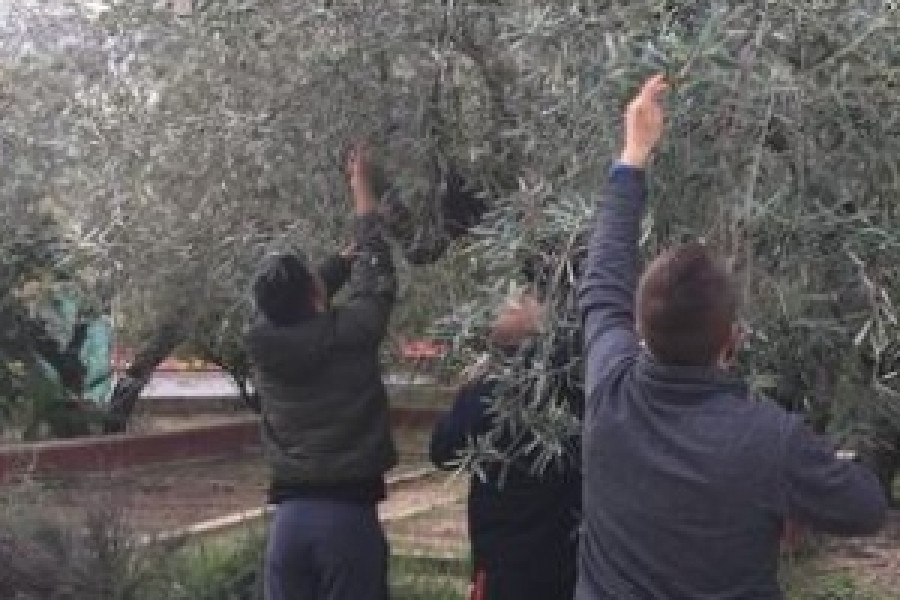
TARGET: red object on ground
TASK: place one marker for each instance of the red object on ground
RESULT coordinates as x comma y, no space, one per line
422,349
793,535
122,357
478,587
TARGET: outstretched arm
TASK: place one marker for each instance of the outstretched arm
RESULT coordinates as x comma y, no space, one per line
610,277
335,270
828,493
373,282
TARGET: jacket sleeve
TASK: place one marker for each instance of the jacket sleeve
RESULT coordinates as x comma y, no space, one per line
467,418
832,495
607,292
334,271
364,317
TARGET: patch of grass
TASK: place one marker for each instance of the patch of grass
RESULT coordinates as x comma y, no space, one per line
427,565
804,580
423,578
226,568
835,586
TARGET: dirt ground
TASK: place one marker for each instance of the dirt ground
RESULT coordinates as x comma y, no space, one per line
161,497
874,563
440,532
164,497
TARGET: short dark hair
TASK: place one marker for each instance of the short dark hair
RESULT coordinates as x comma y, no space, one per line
284,289
687,305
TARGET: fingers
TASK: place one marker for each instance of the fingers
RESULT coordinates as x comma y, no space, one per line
656,85
650,95
356,154
358,150
654,88
644,121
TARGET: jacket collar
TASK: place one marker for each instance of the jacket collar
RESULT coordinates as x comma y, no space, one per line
688,382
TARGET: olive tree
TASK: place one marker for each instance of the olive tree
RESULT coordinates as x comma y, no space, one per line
189,146
185,149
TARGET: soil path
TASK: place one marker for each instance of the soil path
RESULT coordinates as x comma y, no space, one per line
873,562
171,496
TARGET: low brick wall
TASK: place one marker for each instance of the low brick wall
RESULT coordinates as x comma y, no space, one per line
113,452
185,407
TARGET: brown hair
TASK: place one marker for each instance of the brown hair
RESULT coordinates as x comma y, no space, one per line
687,305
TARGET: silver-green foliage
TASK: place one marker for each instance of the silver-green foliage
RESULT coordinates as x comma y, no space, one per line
781,151
185,148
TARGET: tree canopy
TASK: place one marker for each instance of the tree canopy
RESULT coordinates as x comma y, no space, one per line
184,148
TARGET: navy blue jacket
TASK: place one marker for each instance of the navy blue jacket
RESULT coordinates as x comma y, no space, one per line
527,522
688,476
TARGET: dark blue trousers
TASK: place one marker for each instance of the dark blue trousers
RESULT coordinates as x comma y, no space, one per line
326,550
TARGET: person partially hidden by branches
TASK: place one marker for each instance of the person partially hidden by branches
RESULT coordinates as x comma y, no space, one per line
522,524
453,209
689,477
325,419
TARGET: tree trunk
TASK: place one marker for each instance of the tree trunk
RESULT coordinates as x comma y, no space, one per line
128,389
248,398
239,371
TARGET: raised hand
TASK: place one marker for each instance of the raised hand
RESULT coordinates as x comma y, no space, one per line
348,251
360,184
517,320
644,122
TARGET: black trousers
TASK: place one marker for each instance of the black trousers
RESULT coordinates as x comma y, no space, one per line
526,583
326,550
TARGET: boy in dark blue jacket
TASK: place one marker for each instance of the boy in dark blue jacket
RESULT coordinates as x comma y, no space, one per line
523,527
688,477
